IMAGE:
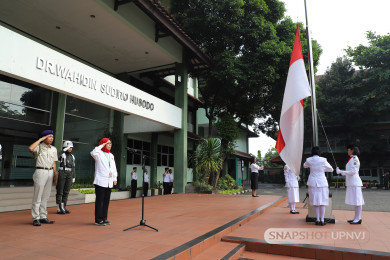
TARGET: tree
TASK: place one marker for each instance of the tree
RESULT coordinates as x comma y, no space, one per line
351,103
207,159
229,132
259,155
269,155
373,80
250,44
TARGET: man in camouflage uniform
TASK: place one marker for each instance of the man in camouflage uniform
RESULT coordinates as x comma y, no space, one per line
66,177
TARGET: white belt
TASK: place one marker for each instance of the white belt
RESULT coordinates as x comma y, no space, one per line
65,168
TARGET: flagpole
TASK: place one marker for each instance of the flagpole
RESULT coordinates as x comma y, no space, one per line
312,83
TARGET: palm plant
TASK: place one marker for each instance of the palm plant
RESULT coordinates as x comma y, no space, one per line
208,160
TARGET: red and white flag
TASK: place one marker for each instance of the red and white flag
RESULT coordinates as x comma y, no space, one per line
290,137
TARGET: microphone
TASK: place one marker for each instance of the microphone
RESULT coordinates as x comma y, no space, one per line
131,150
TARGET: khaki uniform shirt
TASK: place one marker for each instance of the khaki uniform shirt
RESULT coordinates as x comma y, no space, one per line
45,155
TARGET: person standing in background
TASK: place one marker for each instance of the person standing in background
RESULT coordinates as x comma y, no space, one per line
146,183
66,177
105,178
292,188
46,156
166,181
134,182
170,174
255,176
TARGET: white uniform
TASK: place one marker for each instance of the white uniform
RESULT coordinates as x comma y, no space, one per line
353,182
291,185
318,185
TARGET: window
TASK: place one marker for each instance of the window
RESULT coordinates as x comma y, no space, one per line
24,101
165,156
365,172
143,148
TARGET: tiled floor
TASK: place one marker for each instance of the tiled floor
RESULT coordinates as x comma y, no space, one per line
372,234
179,218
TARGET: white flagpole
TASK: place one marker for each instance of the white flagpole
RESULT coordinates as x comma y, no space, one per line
312,83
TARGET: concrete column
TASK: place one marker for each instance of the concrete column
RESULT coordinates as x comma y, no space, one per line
180,135
58,119
153,160
119,148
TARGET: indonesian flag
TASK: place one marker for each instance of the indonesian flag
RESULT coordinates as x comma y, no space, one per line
290,137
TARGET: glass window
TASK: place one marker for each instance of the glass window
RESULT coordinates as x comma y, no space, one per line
143,148
24,101
85,125
81,108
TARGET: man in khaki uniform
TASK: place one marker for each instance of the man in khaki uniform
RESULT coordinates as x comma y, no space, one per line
45,155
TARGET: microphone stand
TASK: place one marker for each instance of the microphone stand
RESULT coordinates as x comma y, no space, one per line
143,221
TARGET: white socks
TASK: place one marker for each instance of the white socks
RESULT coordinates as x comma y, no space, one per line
292,206
317,211
358,213
322,212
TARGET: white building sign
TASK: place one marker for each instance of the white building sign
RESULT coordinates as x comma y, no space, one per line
33,62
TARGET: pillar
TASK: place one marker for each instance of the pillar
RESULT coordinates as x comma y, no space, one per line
180,135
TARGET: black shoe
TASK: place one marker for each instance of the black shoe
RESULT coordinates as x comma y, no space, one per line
65,210
60,212
36,223
255,195
318,223
100,223
349,221
294,212
322,223
357,222
46,221
107,222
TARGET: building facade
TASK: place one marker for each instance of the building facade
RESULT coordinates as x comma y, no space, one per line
96,68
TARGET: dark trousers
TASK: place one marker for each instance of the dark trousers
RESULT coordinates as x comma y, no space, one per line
166,188
170,187
64,184
102,201
146,188
133,188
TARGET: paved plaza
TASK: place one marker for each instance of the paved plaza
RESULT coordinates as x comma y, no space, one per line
191,226
375,199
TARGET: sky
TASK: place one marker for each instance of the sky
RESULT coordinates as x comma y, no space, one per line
335,25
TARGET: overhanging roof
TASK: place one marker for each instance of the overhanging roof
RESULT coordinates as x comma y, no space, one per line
91,31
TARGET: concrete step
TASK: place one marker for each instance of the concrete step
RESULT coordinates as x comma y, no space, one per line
20,198
222,250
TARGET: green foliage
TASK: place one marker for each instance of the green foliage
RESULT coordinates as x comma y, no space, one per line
259,155
92,191
353,103
207,159
231,191
249,43
82,185
229,132
226,183
203,186
270,154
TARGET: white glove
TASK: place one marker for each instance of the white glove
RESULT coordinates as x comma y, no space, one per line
338,171
74,179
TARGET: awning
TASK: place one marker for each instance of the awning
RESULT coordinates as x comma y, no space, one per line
243,155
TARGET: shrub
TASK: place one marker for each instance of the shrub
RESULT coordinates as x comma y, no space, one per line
226,183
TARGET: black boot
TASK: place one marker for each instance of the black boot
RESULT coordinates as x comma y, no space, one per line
60,209
65,210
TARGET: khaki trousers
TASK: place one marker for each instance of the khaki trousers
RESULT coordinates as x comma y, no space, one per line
43,180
